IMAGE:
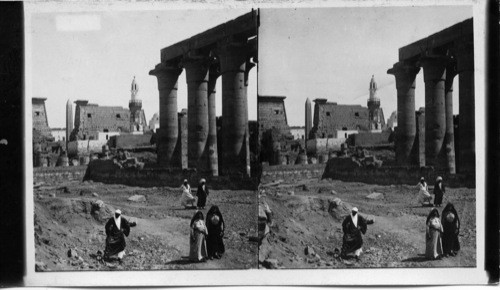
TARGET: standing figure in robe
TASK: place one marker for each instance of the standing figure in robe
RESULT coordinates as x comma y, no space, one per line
353,226
215,226
438,191
202,194
117,228
197,243
423,193
433,242
451,230
187,199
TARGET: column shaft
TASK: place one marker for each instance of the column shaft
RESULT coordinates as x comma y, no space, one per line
405,135
234,110
435,114
167,134
466,124
449,137
213,159
197,81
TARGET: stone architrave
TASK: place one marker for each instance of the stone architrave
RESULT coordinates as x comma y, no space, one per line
405,74
167,76
197,81
435,114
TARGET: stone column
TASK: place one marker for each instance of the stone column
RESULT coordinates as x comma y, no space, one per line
234,116
405,74
449,138
197,81
246,157
435,114
167,75
466,123
213,159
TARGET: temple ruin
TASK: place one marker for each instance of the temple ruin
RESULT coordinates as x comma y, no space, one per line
442,56
228,50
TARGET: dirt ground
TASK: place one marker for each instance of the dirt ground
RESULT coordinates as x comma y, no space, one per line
303,217
66,219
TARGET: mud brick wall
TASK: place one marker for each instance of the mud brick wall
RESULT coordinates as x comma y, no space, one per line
366,139
330,117
290,173
39,114
107,172
58,174
398,175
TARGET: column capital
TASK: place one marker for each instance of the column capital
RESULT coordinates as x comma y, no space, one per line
405,73
167,75
194,59
434,66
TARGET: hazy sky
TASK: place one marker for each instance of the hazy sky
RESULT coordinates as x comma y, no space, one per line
332,53
95,55
305,52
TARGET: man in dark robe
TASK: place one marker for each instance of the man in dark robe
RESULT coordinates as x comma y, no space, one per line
117,228
353,226
438,191
202,194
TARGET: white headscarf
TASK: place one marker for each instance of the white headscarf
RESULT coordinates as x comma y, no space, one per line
118,220
355,217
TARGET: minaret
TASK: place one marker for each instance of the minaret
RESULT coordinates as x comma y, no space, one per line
374,107
135,106
69,121
308,120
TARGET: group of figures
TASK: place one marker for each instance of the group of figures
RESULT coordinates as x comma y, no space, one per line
441,237
424,197
206,237
188,200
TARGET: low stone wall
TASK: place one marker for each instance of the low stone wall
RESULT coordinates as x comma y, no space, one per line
289,173
56,174
397,175
107,172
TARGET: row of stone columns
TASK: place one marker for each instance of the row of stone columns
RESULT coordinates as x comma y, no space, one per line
202,71
439,73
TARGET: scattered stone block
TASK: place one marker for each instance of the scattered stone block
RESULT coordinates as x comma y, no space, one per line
137,198
95,194
375,195
309,251
72,253
270,264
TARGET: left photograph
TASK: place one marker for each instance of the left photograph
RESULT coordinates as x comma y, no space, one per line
144,128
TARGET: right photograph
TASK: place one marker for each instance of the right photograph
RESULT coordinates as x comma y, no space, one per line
366,121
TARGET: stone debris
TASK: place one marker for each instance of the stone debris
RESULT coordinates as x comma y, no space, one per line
95,194
375,195
40,266
137,198
309,251
72,253
270,264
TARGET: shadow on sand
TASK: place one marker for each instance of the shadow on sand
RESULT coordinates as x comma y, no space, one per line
182,261
419,258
